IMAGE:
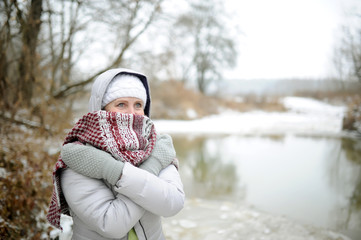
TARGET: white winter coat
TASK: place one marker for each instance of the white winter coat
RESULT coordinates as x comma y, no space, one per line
138,200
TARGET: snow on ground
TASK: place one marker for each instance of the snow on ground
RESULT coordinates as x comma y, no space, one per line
213,220
304,116
311,106
205,219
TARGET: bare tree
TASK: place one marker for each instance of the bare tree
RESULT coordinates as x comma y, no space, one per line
208,42
347,57
64,21
34,62
30,27
128,20
43,41
20,27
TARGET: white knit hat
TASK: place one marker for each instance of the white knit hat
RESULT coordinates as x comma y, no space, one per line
124,85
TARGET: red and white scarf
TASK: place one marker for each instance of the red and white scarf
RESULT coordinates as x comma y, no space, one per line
127,137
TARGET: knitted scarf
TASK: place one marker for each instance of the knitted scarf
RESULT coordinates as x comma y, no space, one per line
127,137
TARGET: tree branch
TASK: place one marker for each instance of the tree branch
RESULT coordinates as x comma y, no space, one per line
24,122
64,90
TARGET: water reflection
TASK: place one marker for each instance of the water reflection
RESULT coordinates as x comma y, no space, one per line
204,175
314,180
351,211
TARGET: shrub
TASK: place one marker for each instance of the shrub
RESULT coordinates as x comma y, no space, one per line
25,182
352,119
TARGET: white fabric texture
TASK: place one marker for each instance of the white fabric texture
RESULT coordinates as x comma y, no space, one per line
124,86
100,213
163,198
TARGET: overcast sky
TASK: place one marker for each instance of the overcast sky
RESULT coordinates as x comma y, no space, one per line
286,38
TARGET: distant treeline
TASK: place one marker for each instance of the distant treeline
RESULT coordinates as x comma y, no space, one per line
285,87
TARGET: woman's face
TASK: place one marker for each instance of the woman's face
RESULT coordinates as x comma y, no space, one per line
130,105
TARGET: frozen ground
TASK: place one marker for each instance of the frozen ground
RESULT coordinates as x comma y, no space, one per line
205,219
213,220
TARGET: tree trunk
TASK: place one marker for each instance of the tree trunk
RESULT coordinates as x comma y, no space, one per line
30,29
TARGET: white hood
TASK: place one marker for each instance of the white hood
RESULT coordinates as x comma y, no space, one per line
102,81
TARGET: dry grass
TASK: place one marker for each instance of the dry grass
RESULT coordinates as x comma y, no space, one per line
171,100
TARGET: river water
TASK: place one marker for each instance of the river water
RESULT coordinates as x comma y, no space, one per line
257,182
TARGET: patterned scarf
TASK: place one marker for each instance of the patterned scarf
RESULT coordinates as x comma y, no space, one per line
127,137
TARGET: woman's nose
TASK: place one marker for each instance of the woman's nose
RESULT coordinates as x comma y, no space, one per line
131,110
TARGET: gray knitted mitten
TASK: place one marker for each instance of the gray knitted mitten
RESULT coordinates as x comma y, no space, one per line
162,155
92,162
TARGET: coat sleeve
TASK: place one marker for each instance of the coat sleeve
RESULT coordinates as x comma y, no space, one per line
162,195
95,204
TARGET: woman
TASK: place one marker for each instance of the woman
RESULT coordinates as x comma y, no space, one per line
117,186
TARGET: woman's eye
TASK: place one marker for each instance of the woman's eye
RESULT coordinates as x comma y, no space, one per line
120,105
138,105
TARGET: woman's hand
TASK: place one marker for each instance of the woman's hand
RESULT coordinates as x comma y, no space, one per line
92,162
162,155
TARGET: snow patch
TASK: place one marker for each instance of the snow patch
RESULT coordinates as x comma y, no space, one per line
304,116
191,113
312,107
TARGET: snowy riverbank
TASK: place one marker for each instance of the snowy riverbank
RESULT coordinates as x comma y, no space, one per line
204,219
304,116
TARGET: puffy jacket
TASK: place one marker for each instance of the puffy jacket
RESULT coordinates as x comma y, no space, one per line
138,200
